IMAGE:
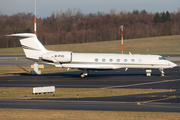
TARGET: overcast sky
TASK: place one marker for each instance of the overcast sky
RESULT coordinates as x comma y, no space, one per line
45,7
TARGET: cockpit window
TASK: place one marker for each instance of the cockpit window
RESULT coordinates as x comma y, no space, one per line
162,58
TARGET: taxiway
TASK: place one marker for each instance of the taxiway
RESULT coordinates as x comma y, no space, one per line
133,78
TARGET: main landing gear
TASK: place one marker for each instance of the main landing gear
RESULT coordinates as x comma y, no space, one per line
84,73
149,71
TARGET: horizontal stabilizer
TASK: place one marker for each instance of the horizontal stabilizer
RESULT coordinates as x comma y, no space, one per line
31,45
25,35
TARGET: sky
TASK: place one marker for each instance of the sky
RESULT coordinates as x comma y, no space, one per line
46,7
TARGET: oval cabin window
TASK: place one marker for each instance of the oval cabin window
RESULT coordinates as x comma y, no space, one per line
103,60
96,60
110,60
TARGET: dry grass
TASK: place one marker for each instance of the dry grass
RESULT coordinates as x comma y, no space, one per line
12,51
20,92
24,114
154,45
9,70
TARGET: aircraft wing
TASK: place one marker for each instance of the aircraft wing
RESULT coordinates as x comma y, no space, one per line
93,67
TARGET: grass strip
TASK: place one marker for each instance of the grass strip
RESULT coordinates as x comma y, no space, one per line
11,70
152,45
29,114
20,92
176,61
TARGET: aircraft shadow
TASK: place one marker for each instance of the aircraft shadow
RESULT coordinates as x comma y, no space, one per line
99,74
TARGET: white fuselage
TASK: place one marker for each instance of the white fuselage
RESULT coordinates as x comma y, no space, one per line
116,61
35,51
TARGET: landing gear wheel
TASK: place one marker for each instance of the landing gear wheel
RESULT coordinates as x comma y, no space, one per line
148,72
82,75
162,73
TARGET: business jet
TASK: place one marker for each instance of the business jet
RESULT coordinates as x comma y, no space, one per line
35,51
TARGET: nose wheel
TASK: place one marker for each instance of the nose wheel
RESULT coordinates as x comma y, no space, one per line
84,73
162,72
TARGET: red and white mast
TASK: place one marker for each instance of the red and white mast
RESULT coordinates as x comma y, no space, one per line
35,17
122,37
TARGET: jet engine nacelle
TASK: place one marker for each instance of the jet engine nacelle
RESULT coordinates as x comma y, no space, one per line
61,56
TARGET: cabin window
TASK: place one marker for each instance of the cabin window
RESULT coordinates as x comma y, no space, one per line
132,60
103,60
96,60
118,60
125,60
110,60
55,55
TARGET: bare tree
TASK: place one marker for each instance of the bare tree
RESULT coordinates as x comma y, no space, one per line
112,12
179,10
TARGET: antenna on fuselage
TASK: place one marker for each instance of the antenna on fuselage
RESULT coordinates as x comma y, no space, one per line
121,27
35,17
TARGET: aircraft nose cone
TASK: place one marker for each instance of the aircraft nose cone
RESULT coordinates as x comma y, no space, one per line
173,64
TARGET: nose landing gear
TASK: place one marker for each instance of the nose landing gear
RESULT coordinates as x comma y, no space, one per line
162,72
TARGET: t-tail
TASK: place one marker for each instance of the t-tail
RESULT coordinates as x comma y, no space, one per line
31,45
35,51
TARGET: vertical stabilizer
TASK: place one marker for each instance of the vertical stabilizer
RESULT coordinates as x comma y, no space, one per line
31,45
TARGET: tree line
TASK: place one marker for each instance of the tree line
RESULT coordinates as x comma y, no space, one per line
163,18
72,26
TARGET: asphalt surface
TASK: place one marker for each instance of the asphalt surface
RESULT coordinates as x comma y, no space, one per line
89,105
133,78
11,60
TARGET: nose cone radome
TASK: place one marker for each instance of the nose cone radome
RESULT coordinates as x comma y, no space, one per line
173,64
